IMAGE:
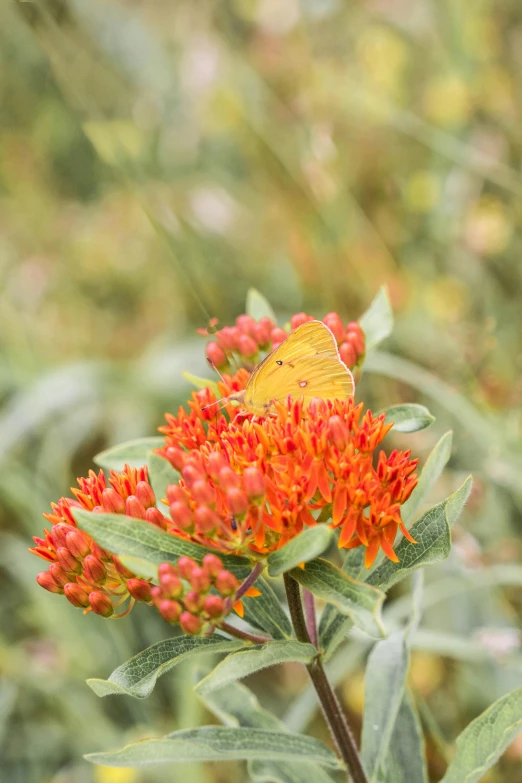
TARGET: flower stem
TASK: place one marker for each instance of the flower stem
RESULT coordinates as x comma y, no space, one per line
248,637
331,707
249,581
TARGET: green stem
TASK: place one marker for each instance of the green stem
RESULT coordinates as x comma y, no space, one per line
248,637
332,710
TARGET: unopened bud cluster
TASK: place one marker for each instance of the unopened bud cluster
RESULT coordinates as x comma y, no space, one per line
247,338
194,597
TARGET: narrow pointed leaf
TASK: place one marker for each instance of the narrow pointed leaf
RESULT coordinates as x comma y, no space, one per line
258,306
362,603
430,474
406,758
202,383
384,687
433,535
266,613
217,743
137,677
133,453
236,705
377,321
124,535
244,662
161,474
306,546
409,418
485,739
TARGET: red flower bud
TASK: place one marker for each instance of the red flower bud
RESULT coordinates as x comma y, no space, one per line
216,355
216,462
214,606
203,493
299,319
194,601
94,570
228,479
167,569
190,623
77,544
46,581
262,332
338,432
279,335
181,516
247,346
237,502
347,354
59,575
246,324
59,533
336,326
175,494
185,567
176,457
169,610
140,590
212,565
227,337
134,508
226,583
155,517
254,483
76,595
67,561
156,594
112,502
356,337
200,580
172,586
101,603
145,494
191,474
206,521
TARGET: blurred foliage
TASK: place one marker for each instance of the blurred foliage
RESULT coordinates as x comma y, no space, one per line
157,160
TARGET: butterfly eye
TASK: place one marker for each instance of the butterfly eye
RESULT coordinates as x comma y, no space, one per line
279,362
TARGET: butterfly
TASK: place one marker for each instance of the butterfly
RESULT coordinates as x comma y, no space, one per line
306,365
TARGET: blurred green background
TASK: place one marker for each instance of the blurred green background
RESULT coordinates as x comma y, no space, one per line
157,160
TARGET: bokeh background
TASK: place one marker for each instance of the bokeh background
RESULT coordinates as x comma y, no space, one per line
157,160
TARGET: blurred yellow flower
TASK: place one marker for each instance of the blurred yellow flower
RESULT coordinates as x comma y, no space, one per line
115,775
353,692
383,55
447,101
422,191
446,299
488,227
426,671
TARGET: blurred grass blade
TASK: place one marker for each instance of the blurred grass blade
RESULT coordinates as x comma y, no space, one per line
409,418
377,321
217,743
430,474
485,739
310,543
258,306
133,453
128,536
245,662
359,601
138,676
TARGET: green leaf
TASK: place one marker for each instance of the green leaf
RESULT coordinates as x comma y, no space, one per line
359,601
433,536
137,677
134,453
218,743
409,418
306,546
430,474
236,705
124,535
244,662
377,321
161,474
406,760
142,568
202,383
266,613
485,739
333,626
384,687
258,307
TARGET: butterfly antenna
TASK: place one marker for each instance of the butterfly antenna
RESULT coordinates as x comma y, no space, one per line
223,399
216,370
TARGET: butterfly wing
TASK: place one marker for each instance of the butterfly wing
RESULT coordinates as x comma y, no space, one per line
307,364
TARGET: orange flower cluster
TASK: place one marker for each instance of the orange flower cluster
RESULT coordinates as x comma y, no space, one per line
86,574
253,485
243,342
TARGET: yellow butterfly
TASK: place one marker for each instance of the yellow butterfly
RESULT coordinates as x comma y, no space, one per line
306,365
